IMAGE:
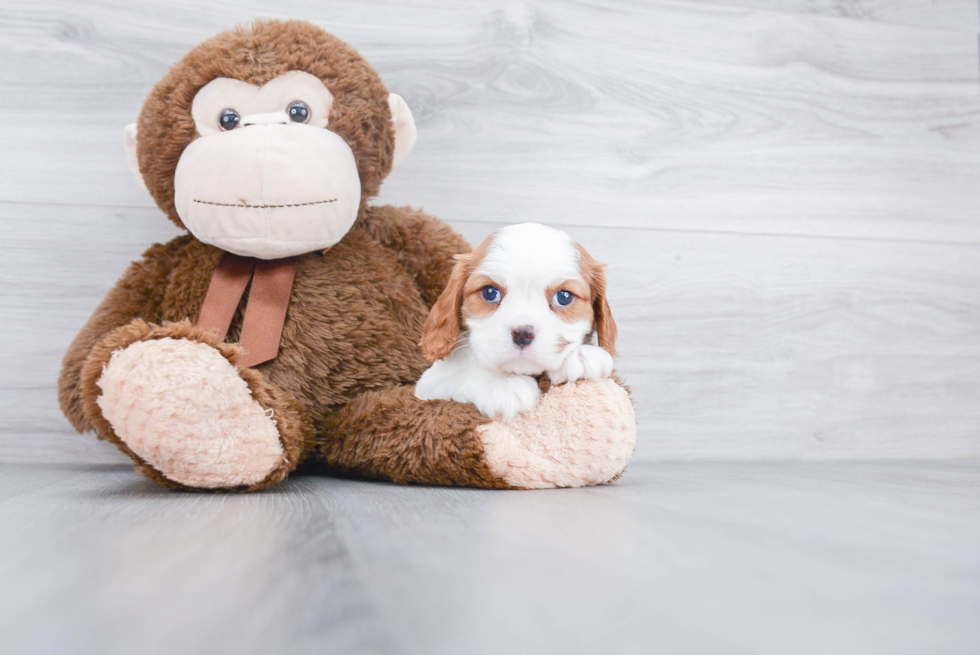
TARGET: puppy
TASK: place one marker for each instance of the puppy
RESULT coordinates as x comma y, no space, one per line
524,303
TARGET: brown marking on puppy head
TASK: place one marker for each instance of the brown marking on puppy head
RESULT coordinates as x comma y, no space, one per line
256,54
474,304
580,309
445,321
593,274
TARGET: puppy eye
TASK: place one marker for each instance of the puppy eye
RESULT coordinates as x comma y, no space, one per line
563,298
229,119
299,111
491,293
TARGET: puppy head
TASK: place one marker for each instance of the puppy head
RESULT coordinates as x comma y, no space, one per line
525,295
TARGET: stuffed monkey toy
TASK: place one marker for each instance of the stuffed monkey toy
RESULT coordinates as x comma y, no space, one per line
284,328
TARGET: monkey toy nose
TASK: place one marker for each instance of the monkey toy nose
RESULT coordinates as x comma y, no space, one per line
272,118
523,335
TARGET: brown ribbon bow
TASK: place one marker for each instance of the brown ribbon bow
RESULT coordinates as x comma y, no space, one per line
265,313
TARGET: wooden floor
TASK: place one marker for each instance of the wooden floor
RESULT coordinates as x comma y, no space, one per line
696,557
787,193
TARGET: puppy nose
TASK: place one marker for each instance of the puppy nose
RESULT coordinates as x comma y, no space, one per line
522,335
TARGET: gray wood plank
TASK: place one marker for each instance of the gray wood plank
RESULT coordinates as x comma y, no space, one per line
958,15
667,115
735,346
58,445
164,573
674,558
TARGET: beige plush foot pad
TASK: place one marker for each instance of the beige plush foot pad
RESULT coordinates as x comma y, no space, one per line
182,407
579,434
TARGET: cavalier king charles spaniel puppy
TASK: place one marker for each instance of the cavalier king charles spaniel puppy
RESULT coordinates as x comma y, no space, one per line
523,304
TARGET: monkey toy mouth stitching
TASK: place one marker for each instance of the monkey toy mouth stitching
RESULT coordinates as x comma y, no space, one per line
248,206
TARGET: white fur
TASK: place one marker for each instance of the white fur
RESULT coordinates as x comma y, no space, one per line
496,394
487,368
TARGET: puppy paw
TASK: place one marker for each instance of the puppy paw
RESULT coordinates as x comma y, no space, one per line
508,396
584,363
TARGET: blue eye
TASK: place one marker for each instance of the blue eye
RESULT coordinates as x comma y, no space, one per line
491,293
563,298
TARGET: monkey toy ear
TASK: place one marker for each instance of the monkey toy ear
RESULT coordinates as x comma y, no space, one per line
129,142
403,123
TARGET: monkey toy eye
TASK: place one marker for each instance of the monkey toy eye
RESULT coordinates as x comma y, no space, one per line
491,293
229,119
563,298
299,111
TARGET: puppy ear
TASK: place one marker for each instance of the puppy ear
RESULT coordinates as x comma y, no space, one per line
443,325
605,325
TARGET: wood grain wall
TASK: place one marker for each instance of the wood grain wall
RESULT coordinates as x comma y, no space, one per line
787,193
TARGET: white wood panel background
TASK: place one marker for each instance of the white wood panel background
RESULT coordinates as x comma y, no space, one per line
787,194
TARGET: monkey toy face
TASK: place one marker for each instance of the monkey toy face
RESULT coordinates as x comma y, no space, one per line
269,151
265,178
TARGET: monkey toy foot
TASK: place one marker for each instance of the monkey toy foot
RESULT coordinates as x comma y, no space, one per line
182,407
579,434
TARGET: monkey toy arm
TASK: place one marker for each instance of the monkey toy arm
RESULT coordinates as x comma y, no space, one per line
578,434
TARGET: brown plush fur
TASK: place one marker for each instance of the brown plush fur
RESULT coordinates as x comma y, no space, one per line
437,446
352,330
